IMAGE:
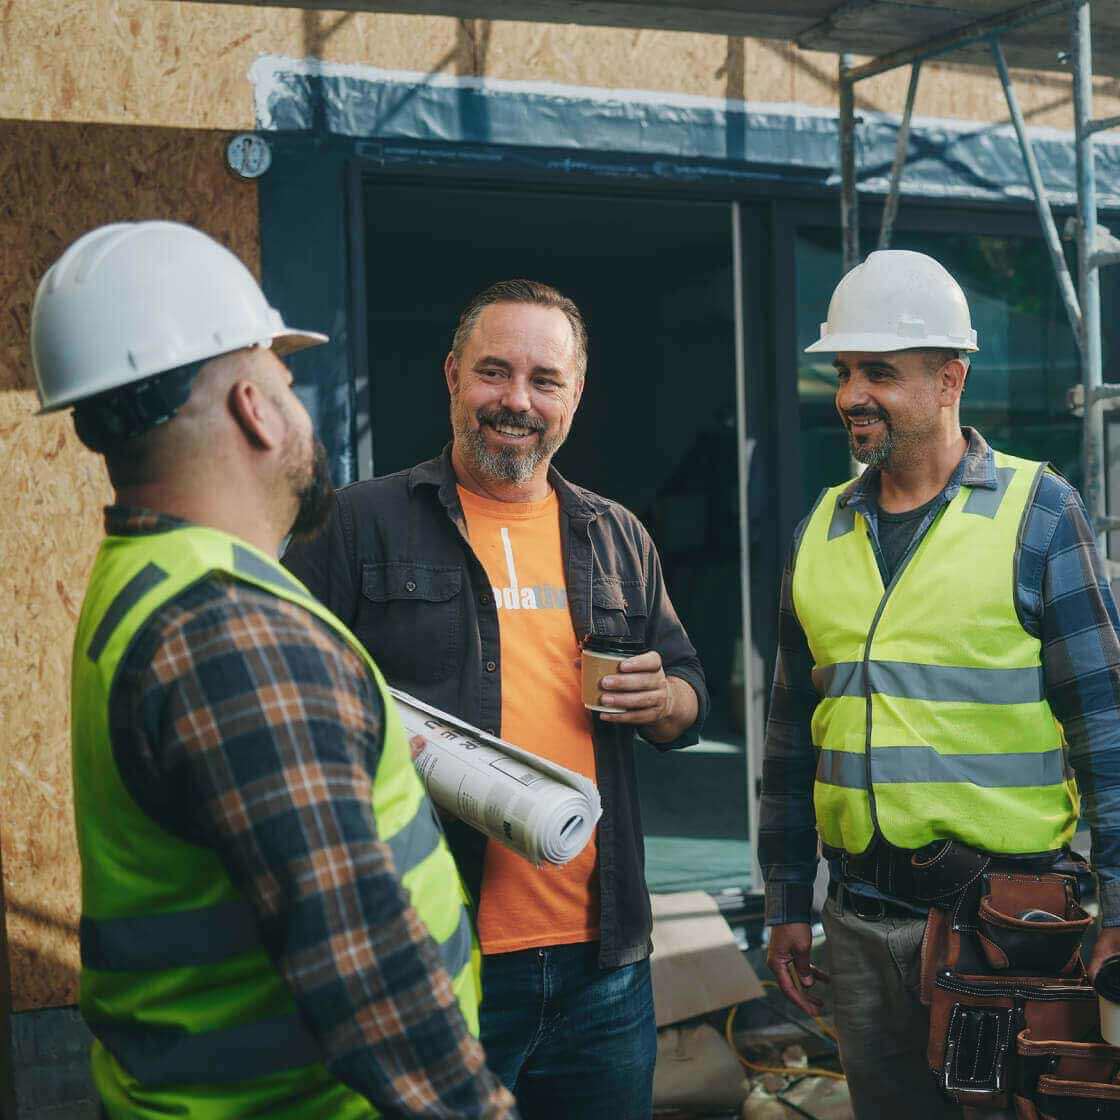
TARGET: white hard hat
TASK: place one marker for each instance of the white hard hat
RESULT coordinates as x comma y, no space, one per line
896,300
131,300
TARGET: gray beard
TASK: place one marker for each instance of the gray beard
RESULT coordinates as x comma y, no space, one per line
507,464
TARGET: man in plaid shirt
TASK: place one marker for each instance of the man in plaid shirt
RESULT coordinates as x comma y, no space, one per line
244,733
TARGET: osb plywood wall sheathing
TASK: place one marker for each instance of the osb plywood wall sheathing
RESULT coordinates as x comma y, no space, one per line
157,62
59,181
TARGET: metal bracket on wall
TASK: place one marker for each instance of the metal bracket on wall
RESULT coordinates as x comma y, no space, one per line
1106,394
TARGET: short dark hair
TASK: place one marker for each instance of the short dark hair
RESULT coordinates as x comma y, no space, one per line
936,357
122,424
522,291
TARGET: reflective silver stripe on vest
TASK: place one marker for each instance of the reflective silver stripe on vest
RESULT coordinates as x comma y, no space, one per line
417,840
842,768
994,771
456,949
158,1056
986,502
845,678
410,847
247,563
183,939
148,577
212,934
911,681
923,764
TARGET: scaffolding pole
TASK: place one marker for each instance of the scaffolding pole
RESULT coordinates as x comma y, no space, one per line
901,151
1042,204
1088,272
849,198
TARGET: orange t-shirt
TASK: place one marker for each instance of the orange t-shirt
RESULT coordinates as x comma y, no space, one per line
518,543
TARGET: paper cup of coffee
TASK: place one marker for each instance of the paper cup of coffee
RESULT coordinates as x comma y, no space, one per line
601,657
1107,984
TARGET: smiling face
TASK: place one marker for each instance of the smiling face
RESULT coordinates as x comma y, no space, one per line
514,391
892,404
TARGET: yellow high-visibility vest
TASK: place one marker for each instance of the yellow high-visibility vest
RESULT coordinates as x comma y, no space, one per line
932,721
190,1016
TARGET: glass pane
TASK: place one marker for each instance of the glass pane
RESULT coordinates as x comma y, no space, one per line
655,431
1016,389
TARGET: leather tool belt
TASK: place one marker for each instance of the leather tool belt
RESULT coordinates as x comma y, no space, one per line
1008,995
1013,1018
935,875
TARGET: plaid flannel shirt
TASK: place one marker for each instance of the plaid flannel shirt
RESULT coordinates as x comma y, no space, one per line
241,722
1064,600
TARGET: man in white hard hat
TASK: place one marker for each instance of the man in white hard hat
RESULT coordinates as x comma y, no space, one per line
272,924
947,652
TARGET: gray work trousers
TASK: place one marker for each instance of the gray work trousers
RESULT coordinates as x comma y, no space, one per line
880,1021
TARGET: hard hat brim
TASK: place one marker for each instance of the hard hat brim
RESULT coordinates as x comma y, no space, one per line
290,341
888,344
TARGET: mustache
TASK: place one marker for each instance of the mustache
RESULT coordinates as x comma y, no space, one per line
866,414
510,419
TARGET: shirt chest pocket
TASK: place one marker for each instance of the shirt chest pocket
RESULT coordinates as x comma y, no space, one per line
411,620
619,608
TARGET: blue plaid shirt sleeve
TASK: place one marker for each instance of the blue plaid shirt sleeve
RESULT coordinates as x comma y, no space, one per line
787,832
1065,600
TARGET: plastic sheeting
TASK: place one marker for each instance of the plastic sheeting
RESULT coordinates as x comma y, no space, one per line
673,136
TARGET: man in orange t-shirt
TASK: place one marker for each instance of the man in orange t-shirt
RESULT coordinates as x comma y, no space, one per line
472,580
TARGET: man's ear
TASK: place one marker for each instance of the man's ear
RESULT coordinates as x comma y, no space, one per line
256,416
451,372
952,376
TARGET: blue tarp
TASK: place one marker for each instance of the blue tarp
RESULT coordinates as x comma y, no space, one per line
674,136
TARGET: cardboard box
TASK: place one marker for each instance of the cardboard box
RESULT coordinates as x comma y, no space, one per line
696,965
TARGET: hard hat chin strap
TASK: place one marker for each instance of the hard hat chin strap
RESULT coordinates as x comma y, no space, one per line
121,414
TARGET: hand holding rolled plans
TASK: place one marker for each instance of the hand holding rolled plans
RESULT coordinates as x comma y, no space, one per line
534,807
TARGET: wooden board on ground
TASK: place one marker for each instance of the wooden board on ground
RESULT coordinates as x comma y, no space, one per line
697,966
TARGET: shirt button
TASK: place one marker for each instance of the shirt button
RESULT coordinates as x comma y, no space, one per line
485,599
491,666
410,586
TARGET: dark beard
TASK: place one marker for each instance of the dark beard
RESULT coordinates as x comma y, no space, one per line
872,455
877,455
316,498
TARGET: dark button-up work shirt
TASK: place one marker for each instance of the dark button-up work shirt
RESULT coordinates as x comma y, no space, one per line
396,565
1063,599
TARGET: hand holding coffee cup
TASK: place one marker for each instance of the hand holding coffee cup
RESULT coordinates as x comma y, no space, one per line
624,681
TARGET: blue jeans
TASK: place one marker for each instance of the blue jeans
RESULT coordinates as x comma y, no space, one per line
570,1040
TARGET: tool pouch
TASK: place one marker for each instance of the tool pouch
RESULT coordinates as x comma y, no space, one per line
975,1020
1067,1080
1017,944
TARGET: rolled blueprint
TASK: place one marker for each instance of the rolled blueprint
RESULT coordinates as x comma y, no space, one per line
536,808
